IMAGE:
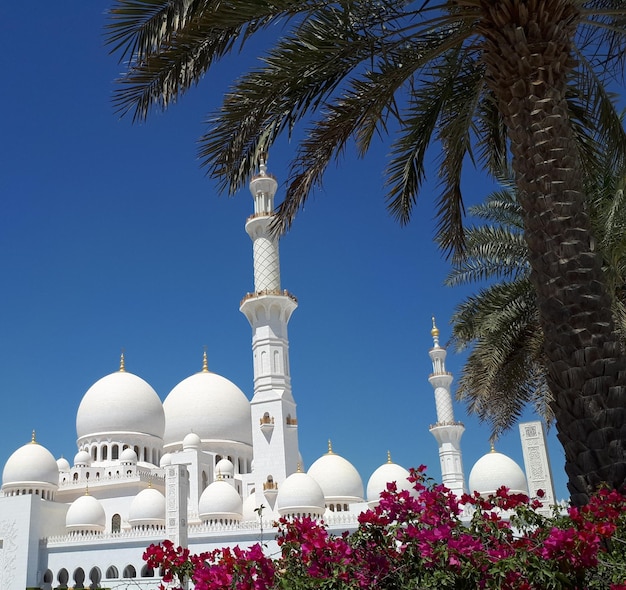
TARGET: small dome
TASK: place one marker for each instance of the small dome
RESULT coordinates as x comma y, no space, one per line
166,460
495,470
191,441
300,494
209,405
338,478
63,464
31,464
147,508
225,468
128,455
120,402
220,500
387,473
82,459
85,514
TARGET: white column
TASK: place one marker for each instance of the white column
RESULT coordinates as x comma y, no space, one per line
176,490
447,431
268,309
537,464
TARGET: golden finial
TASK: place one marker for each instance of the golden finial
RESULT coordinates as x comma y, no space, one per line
122,365
205,362
299,467
492,446
388,456
87,489
435,332
330,448
220,477
33,441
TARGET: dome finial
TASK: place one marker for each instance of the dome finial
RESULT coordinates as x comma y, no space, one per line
435,332
205,361
87,489
492,446
263,164
388,456
299,467
32,438
122,364
330,448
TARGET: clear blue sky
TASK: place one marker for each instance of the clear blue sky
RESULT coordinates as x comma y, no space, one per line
112,237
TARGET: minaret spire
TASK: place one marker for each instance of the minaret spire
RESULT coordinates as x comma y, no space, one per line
447,431
268,309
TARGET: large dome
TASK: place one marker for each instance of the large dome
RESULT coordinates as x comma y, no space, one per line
495,470
220,500
210,406
120,402
147,508
85,514
300,494
30,464
387,473
338,478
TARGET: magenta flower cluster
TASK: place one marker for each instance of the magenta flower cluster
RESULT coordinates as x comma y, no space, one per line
418,539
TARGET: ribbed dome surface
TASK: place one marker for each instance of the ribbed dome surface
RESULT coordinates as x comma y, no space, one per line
31,463
85,513
300,493
120,402
220,500
387,473
337,477
148,508
495,470
210,406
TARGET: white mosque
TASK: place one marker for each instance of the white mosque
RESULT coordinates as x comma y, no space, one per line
207,467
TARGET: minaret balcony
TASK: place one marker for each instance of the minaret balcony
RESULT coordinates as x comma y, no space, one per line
279,292
267,423
447,423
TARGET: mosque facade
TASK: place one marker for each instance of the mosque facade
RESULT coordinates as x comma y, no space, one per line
207,467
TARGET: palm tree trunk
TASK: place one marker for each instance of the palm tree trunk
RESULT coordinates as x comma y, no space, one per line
528,57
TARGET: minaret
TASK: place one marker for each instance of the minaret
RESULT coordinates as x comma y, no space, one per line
447,430
268,309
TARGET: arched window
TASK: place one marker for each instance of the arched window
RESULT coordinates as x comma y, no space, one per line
95,575
112,573
147,572
130,572
105,452
116,523
94,453
79,578
75,477
115,452
62,577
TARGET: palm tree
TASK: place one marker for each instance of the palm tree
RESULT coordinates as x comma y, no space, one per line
505,369
518,80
